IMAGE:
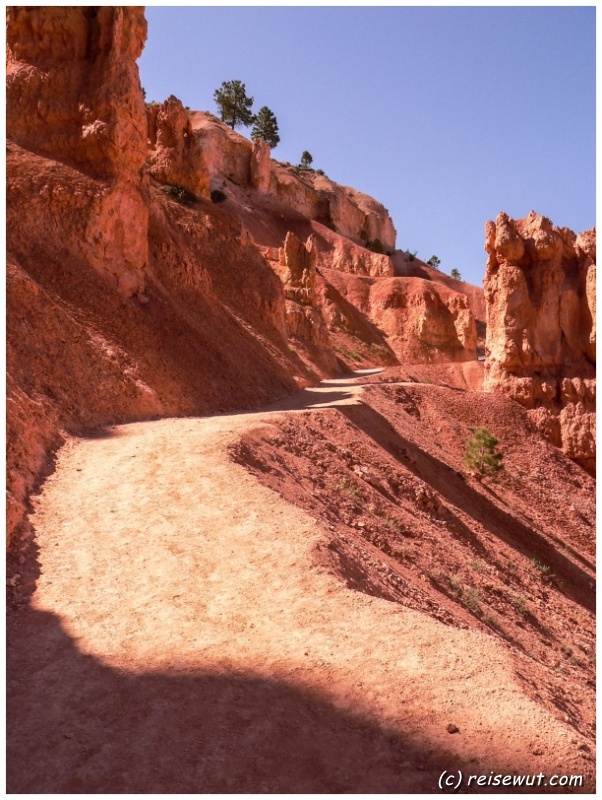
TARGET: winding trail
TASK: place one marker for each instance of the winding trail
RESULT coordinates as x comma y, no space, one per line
182,637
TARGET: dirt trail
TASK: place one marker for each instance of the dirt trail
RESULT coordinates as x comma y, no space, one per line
183,637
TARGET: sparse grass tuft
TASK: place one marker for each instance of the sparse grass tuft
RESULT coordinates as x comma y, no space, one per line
471,598
519,604
350,489
352,355
544,571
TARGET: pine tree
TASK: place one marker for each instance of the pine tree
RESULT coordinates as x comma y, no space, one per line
266,127
434,262
306,159
233,103
455,273
482,454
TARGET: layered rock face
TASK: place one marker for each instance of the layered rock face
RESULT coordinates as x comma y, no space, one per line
73,93
540,349
176,156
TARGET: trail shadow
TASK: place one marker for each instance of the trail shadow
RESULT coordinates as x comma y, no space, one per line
78,726
572,581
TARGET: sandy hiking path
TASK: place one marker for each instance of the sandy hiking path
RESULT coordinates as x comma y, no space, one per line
186,635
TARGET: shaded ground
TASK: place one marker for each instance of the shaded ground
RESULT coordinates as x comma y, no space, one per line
177,627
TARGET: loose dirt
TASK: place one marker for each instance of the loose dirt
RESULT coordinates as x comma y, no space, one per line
176,627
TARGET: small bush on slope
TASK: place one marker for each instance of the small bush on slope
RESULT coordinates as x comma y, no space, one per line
482,454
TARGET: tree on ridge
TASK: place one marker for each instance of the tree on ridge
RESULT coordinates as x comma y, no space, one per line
266,127
233,103
306,159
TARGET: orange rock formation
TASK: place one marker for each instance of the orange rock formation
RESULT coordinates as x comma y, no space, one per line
540,293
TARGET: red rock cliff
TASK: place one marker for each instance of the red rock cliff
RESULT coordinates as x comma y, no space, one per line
73,93
540,350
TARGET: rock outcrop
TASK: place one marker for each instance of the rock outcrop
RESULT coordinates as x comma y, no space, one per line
300,193
227,153
176,157
73,93
338,252
540,350
261,166
305,322
424,322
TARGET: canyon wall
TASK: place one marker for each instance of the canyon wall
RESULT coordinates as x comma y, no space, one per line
540,347
131,295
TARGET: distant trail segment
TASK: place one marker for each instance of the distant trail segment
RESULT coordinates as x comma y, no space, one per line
182,637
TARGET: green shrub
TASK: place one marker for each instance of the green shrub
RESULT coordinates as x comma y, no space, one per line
375,245
180,194
482,454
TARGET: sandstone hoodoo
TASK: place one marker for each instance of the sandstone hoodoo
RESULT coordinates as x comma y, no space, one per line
541,347
251,527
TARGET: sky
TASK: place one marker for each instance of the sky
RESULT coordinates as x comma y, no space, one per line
446,115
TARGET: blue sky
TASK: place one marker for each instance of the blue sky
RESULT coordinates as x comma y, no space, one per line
446,115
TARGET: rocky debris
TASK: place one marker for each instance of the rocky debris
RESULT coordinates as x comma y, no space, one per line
540,349
176,156
73,93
